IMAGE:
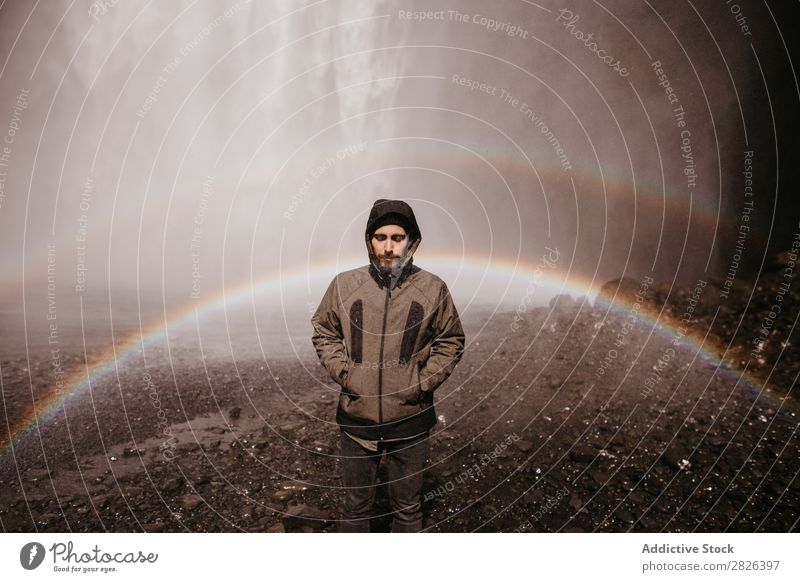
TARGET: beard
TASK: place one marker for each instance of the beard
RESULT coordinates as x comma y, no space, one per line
390,266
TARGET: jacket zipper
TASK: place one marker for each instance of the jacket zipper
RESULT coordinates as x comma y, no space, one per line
380,369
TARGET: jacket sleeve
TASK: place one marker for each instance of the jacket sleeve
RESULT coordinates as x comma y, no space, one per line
328,338
447,346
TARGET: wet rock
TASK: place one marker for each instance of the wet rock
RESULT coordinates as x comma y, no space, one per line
132,491
302,517
282,495
775,489
634,474
582,455
735,492
624,515
523,445
647,523
48,518
38,475
322,448
172,486
293,486
292,425
662,507
101,501
593,485
575,502
190,502
676,457
637,497
600,477
248,511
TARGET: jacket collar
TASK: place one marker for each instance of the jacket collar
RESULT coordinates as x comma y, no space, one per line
385,281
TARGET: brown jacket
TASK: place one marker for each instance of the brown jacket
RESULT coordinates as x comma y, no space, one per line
388,342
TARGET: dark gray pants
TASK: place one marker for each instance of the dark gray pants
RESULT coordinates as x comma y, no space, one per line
405,461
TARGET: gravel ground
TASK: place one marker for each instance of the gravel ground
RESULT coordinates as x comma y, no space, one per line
571,418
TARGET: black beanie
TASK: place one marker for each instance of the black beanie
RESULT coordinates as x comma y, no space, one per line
392,212
393,218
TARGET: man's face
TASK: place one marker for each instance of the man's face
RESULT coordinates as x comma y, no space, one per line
388,244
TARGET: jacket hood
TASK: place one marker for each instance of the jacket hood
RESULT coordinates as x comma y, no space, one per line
385,212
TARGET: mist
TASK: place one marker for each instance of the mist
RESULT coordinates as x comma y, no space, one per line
207,156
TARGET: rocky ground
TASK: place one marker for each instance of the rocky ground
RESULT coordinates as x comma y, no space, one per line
575,417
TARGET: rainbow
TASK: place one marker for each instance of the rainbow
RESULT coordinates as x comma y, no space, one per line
451,267
658,201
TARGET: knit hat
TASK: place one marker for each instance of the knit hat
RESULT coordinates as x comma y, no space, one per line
392,212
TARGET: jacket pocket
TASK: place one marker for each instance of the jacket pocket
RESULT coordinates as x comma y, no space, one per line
361,380
412,393
421,363
423,355
350,384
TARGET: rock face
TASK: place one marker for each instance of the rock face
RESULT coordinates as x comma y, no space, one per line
620,291
562,302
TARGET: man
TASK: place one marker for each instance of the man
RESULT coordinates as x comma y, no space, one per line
389,334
